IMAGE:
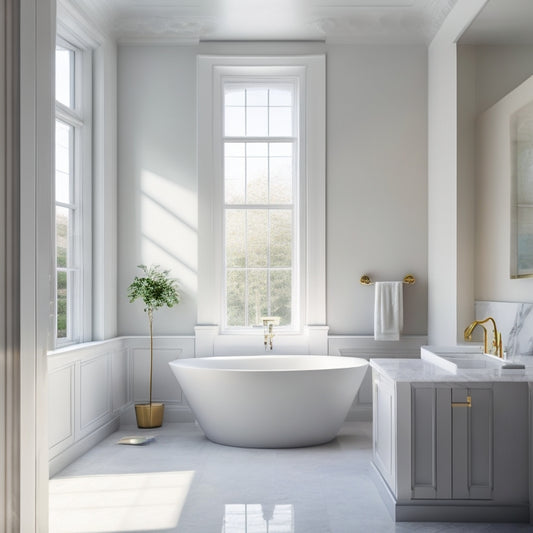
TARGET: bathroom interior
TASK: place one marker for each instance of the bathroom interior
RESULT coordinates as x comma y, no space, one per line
416,116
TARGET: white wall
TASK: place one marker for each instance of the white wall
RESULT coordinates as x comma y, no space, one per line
446,295
493,209
157,179
498,70
466,191
486,75
376,181
376,176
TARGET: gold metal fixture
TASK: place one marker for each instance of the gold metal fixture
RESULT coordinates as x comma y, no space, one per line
468,403
365,280
268,329
496,347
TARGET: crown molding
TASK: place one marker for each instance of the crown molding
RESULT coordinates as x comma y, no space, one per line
170,28
336,21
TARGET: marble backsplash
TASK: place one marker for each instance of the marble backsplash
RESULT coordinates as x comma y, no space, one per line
515,322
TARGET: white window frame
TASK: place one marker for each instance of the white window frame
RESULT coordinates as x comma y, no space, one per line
310,73
79,116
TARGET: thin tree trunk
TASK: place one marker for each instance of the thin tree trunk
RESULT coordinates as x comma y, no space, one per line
150,319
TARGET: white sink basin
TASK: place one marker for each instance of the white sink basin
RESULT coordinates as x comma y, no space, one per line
452,358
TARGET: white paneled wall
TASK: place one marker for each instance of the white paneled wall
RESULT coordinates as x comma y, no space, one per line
92,387
87,389
165,387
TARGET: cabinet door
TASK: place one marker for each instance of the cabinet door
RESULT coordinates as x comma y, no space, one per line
452,442
472,443
384,434
431,442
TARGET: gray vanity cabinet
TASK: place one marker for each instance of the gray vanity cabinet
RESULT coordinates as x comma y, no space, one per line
384,427
452,442
452,451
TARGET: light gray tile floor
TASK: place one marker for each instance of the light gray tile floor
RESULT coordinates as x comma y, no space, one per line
183,483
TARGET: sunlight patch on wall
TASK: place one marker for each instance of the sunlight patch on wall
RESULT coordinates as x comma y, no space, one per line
169,228
118,502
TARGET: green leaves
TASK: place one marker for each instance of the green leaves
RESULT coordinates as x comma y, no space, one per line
155,288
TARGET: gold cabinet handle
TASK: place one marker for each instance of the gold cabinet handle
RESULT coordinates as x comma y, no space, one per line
468,403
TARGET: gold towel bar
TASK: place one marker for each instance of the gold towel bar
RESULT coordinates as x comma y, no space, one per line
365,280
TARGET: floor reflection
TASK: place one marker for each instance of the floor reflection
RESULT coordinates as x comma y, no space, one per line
258,518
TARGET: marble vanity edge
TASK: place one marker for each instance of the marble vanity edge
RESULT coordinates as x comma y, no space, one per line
418,370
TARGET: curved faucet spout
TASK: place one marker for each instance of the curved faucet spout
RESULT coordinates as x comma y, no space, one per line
268,329
496,347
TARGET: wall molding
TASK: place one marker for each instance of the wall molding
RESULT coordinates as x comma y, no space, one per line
96,384
366,347
210,342
82,446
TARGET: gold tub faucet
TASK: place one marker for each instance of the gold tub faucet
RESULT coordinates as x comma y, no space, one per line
496,347
268,329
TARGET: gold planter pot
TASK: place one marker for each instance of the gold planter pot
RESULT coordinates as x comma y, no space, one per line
149,415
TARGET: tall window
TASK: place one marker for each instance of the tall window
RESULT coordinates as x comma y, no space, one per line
72,172
260,145
261,187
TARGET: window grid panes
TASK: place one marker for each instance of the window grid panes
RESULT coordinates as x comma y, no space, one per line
67,198
259,198
65,76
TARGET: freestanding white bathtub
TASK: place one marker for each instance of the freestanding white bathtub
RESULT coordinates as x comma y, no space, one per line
270,401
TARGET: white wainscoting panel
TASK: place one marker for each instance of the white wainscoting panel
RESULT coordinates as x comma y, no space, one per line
84,405
61,408
365,347
165,387
93,386
94,392
121,388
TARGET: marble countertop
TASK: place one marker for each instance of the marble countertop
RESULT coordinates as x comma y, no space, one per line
419,370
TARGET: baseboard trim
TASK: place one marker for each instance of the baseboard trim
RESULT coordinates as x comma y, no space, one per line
383,490
448,510
456,512
82,446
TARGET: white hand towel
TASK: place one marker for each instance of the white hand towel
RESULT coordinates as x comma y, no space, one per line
388,310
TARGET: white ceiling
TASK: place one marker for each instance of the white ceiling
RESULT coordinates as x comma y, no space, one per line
350,21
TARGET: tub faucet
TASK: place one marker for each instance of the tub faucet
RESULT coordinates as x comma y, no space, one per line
268,329
496,347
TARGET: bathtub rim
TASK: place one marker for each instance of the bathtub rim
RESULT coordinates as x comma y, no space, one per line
207,363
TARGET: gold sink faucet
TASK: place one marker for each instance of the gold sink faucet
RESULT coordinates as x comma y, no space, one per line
496,347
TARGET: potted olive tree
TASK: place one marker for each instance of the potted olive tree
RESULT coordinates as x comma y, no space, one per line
156,289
